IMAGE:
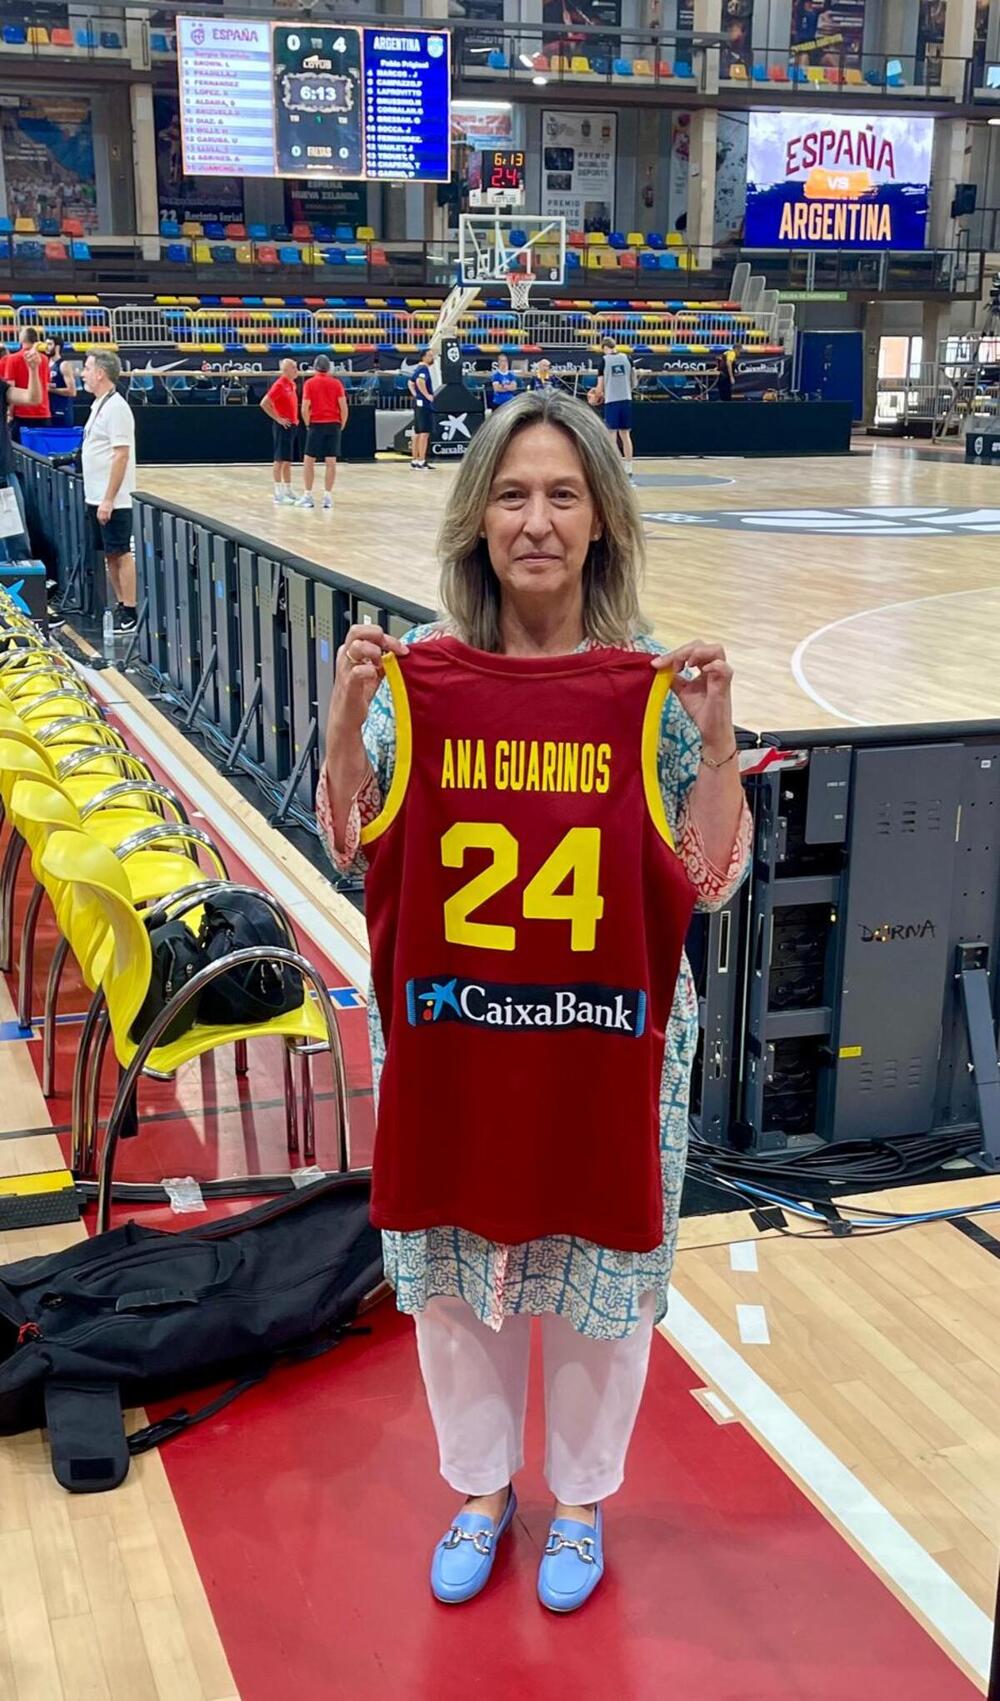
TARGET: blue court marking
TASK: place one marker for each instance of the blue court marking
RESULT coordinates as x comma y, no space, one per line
14,1031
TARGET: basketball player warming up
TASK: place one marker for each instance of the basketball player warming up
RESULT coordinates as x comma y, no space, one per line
538,795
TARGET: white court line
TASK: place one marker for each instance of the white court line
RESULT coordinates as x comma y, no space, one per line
348,957
798,671
873,1529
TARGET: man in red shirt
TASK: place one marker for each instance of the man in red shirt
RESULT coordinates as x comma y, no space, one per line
281,404
324,414
16,373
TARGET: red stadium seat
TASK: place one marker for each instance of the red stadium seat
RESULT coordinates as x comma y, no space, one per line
55,250
301,231
72,227
236,233
267,254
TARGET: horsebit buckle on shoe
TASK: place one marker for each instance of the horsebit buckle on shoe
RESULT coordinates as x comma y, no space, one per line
584,1547
482,1540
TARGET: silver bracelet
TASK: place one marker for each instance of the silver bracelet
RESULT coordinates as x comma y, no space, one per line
726,759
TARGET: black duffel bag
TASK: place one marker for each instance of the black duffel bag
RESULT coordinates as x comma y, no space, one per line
137,1314
244,996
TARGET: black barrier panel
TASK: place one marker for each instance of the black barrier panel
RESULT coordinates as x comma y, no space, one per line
224,593
299,595
152,584
188,616
326,642
272,617
202,540
250,679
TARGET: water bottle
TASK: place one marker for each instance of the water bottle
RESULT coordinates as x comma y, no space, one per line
108,632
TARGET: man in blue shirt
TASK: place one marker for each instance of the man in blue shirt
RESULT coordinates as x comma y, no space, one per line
504,382
420,388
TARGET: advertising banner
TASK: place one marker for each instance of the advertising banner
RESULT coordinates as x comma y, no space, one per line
48,159
579,151
565,36
830,181
822,34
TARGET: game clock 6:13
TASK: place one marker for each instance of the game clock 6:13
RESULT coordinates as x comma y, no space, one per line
317,100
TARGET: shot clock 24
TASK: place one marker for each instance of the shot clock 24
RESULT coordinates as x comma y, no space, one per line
313,100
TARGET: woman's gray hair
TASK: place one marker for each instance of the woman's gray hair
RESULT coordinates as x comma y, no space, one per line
470,589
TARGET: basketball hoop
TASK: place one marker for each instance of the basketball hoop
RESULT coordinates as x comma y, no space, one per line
519,284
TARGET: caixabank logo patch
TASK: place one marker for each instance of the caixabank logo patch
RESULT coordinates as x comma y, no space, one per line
498,1004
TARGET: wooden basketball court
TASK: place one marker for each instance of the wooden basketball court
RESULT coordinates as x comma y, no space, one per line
879,618
813,1505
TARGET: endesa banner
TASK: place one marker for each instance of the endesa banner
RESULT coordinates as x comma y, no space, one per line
826,181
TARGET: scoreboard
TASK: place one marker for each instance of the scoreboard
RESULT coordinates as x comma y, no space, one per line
496,177
261,99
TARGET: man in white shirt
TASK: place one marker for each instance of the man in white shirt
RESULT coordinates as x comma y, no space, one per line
108,457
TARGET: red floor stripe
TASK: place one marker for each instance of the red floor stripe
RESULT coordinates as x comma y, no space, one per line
313,1505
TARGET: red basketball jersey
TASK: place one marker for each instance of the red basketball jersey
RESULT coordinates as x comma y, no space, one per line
526,912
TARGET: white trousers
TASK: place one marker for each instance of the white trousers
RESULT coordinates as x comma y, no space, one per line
477,1385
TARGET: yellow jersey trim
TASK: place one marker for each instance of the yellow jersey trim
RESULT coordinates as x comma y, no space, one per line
404,754
650,745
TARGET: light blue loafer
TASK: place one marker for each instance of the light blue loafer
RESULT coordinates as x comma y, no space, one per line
572,1564
463,1558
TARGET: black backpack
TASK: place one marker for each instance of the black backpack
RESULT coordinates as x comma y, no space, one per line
251,993
137,1314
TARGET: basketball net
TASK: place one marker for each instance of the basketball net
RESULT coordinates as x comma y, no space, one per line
519,284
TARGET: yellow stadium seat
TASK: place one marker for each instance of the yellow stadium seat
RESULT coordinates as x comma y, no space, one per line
38,36
365,233
635,239
579,66
596,238
244,253
25,226
675,239
559,62
853,76
202,254
816,73
737,72
192,227
641,68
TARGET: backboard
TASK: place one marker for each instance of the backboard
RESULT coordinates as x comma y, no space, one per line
491,245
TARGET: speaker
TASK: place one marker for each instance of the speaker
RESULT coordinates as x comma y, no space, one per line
964,201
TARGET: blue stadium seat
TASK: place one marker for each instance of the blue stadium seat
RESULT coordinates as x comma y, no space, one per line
14,35
334,257
654,239
84,38
169,228
31,250
289,254
622,67
6,226
894,78
648,262
281,233
214,230
617,240
759,74
599,65
323,233
49,227
79,250
682,68
667,262
178,253
343,233
498,61
111,41
258,233
159,43
573,261
355,256
224,254
798,74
